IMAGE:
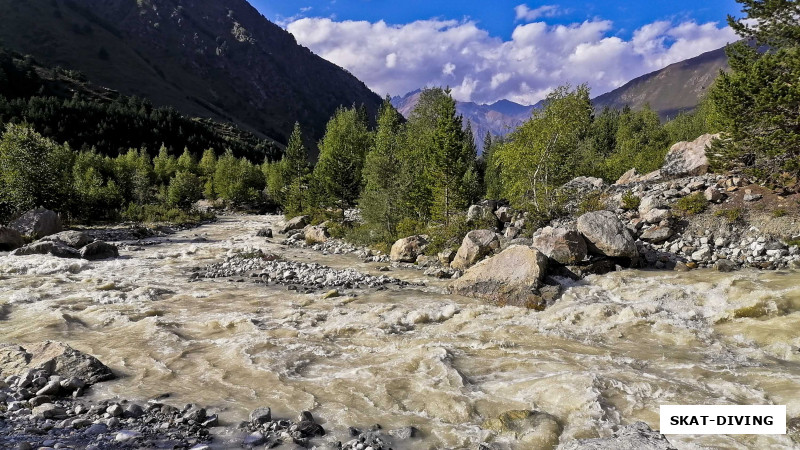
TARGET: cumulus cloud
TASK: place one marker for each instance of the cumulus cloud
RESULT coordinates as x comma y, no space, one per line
396,59
523,12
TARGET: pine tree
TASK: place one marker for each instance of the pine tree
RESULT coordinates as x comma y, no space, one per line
343,150
381,201
294,166
207,167
164,166
186,162
492,177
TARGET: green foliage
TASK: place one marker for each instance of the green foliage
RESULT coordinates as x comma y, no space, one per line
294,173
542,154
631,201
154,213
98,196
34,171
186,162
731,215
779,212
689,126
594,201
343,151
759,100
492,177
164,166
692,204
184,189
641,143
206,169
238,181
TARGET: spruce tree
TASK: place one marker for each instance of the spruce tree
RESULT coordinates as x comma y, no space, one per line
294,166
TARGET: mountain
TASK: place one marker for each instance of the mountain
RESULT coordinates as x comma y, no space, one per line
499,118
675,88
218,59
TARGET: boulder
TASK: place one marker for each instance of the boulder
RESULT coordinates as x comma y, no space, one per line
633,176
725,265
480,214
656,215
605,234
509,278
99,250
446,256
47,248
561,245
638,436
408,249
476,245
316,234
10,239
582,185
688,158
531,429
504,214
657,235
296,223
74,239
649,203
713,195
55,358
37,223
511,232
264,232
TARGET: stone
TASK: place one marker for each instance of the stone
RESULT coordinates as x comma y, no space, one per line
649,203
10,239
99,250
605,234
51,388
261,415
264,232
72,384
688,158
316,234
58,358
713,195
508,278
581,186
331,294
115,410
633,176
481,215
476,245
446,256
296,223
702,255
40,400
504,214
47,248
638,436
750,196
408,249
74,239
254,439
724,265
37,223
561,245
133,410
127,435
308,428
657,234
531,429
656,215
49,411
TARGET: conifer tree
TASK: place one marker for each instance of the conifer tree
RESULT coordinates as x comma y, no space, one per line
294,166
207,167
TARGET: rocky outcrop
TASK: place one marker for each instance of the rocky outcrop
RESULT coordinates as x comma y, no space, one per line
264,232
510,278
606,235
531,429
688,158
74,239
561,245
10,239
504,214
295,223
99,250
408,249
37,223
476,245
637,436
482,215
55,358
47,248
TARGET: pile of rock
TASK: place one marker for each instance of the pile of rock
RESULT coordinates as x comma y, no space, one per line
270,269
42,405
69,244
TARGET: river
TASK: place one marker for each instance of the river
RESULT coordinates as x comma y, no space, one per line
609,352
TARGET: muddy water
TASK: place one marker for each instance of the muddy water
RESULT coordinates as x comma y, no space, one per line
609,352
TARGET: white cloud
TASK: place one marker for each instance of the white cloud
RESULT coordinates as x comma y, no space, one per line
523,12
396,59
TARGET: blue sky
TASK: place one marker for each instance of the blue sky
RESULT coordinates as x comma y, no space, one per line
502,49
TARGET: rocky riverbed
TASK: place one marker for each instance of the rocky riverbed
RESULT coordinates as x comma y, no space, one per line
435,370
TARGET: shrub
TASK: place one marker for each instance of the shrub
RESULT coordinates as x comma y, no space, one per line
692,204
162,213
592,202
733,214
630,201
184,189
779,212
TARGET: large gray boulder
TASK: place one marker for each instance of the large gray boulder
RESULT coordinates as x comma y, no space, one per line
688,158
74,239
637,436
476,245
10,239
316,234
606,235
37,223
56,358
481,214
408,249
99,250
47,248
560,244
511,277
295,223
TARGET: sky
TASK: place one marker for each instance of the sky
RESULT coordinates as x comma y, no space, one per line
492,50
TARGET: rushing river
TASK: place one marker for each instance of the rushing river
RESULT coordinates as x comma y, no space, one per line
609,352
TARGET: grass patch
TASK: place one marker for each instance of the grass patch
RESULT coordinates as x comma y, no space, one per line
779,212
692,204
732,215
630,201
592,202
